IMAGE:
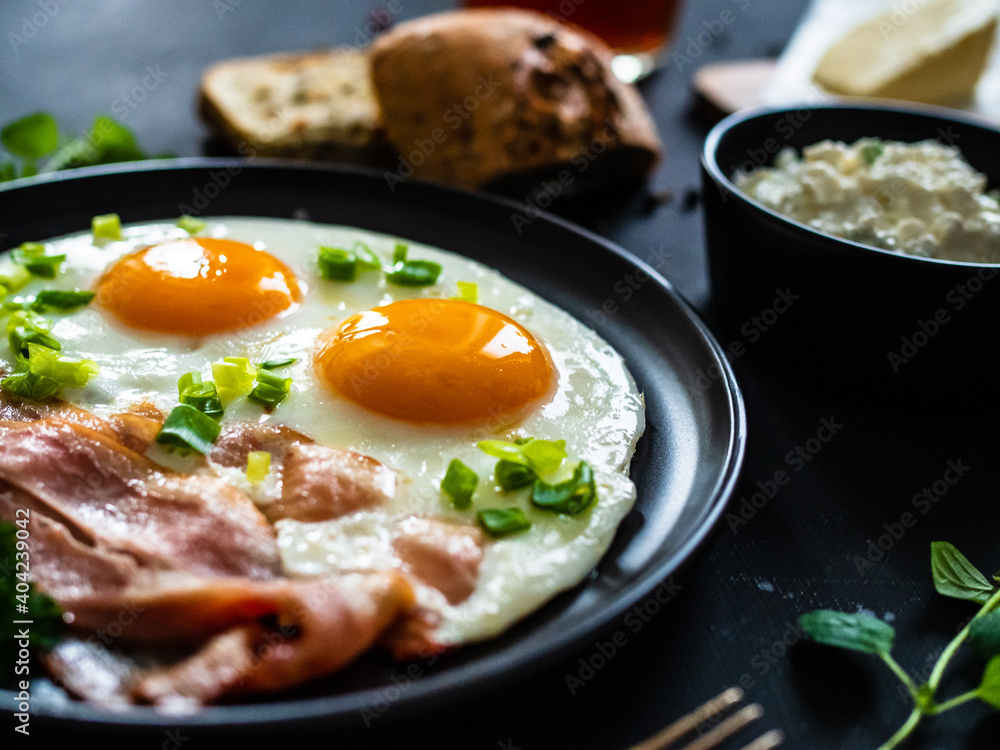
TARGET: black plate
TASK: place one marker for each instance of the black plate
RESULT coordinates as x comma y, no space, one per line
685,467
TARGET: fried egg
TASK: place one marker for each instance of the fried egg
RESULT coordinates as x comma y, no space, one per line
410,376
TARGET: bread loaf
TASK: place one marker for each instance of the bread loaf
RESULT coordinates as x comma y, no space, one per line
493,97
317,105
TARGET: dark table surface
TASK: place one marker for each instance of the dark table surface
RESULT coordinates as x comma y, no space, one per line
732,621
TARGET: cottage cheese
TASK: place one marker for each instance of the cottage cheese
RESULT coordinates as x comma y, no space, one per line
920,198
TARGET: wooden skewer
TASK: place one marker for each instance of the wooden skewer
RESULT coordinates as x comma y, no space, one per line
685,724
718,734
727,728
767,741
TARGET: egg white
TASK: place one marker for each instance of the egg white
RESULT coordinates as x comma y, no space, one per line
596,409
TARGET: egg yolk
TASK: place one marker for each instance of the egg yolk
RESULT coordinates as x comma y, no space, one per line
435,360
197,286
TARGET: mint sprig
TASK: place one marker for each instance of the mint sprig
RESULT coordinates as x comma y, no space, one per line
955,577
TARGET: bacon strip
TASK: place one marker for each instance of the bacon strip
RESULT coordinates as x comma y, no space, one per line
443,555
109,494
321,483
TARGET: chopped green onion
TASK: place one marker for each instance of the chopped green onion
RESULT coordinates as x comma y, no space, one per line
30,386
544,456
56,299
503,521
13,276
365,255
412,272
191,225
468,291
274,364
571,497
107,227
32,256
871,151
233,377
25,328
336,264
513,476
258,466
48,363
188,429
271,389
459,483
202,396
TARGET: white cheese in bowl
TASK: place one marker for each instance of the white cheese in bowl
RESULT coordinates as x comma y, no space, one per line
916,198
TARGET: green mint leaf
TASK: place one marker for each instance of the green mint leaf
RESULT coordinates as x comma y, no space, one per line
31,136
571,497
459,483
858,632
989,688
107,142
955,576
984,635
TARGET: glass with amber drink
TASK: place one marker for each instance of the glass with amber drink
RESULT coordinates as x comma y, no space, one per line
639,31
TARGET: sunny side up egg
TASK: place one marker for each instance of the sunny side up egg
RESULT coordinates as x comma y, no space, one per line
407,375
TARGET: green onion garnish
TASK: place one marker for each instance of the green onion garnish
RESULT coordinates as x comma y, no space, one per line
32,256
30,386
503,521
233,377
274,364
13,276
191,225
544,456
188,429
871,151
48,363
365,255
513,476
412,272
202,396
337,264
459,483
25,328
107,227
55,299
271,389
571,497
258,466
467,292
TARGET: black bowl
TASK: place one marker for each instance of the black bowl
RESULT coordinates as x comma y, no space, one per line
860,320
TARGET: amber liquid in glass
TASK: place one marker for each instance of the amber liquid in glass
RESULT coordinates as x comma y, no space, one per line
626,25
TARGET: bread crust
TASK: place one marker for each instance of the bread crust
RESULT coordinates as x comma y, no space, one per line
481,97
313,105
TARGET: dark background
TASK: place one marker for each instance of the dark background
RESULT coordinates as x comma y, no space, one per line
732,620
